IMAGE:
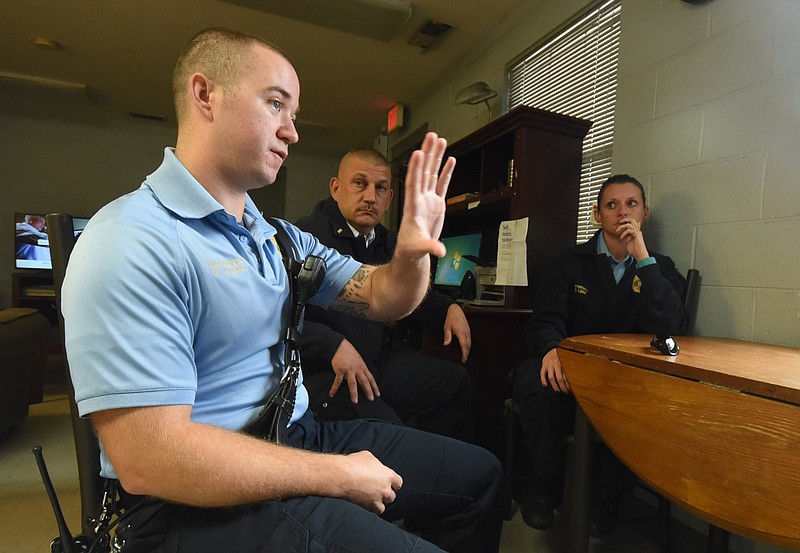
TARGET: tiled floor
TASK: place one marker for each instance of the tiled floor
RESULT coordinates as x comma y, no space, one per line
637,533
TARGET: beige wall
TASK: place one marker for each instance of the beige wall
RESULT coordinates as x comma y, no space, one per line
707,118
54,165
308,176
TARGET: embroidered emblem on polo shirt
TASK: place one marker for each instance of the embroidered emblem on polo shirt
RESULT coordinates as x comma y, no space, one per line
581,290
235,266
637,284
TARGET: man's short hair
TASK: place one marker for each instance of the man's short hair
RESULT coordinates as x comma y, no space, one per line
620,179
370,155
218,53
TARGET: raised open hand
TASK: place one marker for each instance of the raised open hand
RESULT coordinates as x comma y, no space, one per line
424,204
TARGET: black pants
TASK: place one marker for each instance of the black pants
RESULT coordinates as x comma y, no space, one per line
437,394
548,418
452,494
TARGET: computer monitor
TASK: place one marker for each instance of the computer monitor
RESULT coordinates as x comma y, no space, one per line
451,269
31,243
78,224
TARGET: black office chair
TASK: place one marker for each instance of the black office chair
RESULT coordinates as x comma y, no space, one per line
514,447
87,449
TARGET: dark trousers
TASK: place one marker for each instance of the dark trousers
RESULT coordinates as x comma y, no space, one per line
438,394
548,418
451,495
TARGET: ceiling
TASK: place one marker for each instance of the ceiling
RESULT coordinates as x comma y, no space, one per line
116,56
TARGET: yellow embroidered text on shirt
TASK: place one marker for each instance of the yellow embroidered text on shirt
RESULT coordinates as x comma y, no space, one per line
582,290
235,266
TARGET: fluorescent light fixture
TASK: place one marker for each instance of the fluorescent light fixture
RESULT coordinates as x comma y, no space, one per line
42,81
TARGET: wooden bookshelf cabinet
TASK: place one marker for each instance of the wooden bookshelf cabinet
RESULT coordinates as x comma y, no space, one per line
526,163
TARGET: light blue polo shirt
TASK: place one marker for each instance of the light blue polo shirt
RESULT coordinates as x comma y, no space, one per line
617,267
169,301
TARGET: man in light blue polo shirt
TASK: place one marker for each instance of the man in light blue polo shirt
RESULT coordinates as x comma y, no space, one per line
175,302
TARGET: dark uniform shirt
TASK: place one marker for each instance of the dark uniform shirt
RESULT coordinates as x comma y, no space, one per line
578,295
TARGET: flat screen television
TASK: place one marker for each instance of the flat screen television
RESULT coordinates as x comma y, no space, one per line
453,267
31,244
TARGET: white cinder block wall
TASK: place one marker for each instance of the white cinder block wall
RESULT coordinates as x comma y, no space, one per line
708,116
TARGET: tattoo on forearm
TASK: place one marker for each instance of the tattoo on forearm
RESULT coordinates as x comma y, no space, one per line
350,300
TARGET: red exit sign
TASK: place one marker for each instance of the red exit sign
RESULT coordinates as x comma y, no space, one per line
395,118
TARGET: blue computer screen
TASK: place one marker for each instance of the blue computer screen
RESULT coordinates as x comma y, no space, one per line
450,269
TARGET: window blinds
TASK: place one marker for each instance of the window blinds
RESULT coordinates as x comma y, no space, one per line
574,72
